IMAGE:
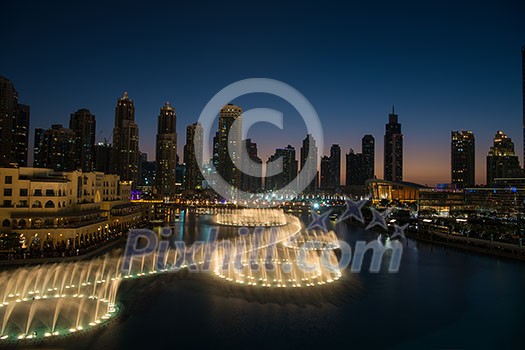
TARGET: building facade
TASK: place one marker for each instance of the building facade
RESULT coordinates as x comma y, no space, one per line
14,126
502,162
166,151
463,159
369,156
126,155
70,210
393,150
55,148
230,122
309,153
83,123
193,150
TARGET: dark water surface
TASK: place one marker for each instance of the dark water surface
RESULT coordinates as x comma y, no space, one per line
441,298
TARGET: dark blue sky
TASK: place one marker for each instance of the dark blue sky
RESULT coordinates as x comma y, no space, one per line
447,65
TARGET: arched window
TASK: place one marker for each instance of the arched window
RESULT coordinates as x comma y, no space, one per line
37,204
22,223
6,223
50,204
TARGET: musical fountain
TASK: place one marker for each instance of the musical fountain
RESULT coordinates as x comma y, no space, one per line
66,298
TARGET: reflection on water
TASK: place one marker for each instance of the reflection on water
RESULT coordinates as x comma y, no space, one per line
441,298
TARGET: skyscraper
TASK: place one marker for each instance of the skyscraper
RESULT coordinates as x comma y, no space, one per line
229,114
463,155
368,151
192,151
103,157
126,153
254,164
335,167
393,155
355,172
83,123
14,126
55,148
502,162
523,96
325,173
306,154
287,173
166,152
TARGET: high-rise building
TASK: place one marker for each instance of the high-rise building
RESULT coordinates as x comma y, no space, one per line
287,173
325,173
393,155
368,151
193,150
166,154
463,155
55,148
502,162
83,123
523,96
126,155
335,167
230,121
355,172
254,165
309,152
103,156
14,126
37,147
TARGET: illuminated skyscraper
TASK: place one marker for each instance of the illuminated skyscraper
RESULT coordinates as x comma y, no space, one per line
55,148
126,155
254,164
192,151
309,144
393,154
225,164
14,126
166,151
463,155
368,151
287,173
83,123
502,162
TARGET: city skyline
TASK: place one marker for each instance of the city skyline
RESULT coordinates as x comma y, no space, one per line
431,75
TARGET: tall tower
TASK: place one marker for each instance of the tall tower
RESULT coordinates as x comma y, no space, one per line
254,164
225,164
126,155
368,151
83,123
193,150
523,96
393,161
56,148
462,157
309,152
166,151
335,167
289,168
14,126
502,162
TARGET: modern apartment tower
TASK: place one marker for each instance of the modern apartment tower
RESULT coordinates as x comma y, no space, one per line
463,159
229,114
368,151
193,150
126,155
309,152
393,149
83,123
14,126
502,162
166,151
254,164
55,148
288,172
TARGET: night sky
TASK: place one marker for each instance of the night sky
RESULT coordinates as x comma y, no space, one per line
445,66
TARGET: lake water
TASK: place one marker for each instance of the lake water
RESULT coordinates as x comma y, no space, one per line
441,298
